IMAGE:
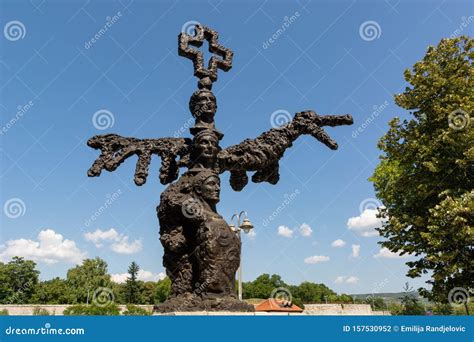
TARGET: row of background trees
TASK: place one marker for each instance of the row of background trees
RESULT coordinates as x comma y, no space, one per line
20,284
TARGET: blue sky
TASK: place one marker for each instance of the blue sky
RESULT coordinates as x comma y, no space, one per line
334,57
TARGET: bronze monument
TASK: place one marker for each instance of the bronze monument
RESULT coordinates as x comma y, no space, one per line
201,252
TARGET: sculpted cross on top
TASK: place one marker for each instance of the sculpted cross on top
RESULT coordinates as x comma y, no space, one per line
202,33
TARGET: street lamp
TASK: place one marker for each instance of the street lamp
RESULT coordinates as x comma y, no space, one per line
246,226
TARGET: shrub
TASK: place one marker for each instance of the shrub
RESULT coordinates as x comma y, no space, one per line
4,312
92,310
39,311
134,310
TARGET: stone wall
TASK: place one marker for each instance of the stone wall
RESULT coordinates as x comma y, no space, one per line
27,310
310,309
341,309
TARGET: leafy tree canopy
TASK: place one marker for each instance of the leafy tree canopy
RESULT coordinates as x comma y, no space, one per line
425,178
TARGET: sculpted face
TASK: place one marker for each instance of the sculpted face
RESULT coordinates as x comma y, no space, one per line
205,107
210,189
206,146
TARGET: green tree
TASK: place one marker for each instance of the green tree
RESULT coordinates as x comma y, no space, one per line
309,292
147,292
19,278
5,289
54,291
263,286
134,310
163,288
425,178
443,309
132,286
411,304
84,280
345,298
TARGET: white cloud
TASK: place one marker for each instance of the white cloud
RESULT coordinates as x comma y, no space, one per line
315,259
101,235
305,230
251,234
142,275
387,254
346,279
365,223
118,242
352,280
285,231
338,243
119,277
355,251
122,246
50,248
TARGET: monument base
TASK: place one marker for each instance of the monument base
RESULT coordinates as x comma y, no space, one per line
192,303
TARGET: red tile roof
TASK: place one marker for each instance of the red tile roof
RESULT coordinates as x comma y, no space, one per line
274,305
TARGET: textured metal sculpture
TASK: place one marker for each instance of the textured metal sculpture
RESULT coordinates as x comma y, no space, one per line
201,252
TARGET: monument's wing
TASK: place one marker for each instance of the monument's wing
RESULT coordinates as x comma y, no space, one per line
263,153
115,149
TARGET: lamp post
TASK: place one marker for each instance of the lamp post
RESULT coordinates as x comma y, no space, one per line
246,226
